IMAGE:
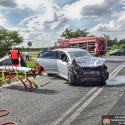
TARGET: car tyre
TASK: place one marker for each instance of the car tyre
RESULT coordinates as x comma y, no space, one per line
103,82
71,78
49,74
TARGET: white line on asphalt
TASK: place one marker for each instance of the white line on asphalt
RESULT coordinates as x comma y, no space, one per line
73,107
74,116
118,70
111,74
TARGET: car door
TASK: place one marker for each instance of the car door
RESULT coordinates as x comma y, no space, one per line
62,64
48,60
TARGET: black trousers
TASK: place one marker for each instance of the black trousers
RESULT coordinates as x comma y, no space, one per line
15,61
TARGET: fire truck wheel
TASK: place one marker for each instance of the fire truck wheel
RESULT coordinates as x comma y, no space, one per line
71,78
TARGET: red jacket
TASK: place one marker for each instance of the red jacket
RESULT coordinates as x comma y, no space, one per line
14,54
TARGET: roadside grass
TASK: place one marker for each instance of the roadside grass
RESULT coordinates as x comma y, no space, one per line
32,53
31,63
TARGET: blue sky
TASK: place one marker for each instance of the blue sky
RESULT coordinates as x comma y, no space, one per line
42,21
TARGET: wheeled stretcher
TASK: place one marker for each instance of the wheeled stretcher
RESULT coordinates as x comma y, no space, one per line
24,74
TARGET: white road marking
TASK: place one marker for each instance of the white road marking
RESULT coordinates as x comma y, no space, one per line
117,71
73,107
111,74
74,116
80,109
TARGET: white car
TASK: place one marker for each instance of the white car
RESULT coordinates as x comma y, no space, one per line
74,64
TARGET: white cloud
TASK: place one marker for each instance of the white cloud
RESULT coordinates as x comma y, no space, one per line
40,40
11,28
3,20
114,28
52,18
55,17
33,4
116,24
74,10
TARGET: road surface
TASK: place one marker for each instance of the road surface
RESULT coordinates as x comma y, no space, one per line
59,103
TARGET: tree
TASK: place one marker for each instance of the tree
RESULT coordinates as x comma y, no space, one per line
68,33
110,42
115,47
122,41
82,33
8,39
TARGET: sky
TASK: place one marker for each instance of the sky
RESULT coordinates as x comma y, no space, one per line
42,21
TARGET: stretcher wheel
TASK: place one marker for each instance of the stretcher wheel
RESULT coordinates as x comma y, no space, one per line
36,86
8,81
29,88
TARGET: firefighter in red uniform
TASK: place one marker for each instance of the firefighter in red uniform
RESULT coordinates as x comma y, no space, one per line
14,55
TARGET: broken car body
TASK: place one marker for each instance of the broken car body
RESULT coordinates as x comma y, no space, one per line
74,64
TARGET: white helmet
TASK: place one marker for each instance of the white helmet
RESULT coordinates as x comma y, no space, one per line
13,47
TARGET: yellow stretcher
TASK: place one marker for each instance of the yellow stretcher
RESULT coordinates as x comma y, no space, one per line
10,73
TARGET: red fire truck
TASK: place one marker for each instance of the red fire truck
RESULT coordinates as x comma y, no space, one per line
95,45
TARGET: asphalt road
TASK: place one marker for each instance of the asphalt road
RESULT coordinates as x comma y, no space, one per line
58,103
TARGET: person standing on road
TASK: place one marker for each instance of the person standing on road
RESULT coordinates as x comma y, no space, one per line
27,56
14,56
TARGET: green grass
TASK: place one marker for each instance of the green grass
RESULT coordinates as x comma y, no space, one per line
31,63
33,54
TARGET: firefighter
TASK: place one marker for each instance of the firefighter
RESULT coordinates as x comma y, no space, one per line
14,56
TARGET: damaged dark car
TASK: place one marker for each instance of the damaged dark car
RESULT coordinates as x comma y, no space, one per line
74,64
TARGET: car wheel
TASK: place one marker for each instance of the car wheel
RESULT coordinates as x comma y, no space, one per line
106,75
49,74
103,82
41,70
71,78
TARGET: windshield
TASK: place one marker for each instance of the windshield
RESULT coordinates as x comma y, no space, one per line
74,54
